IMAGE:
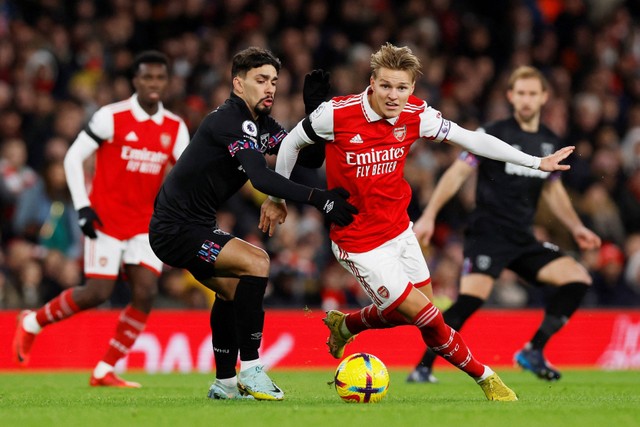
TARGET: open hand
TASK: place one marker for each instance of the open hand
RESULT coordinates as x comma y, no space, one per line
551,163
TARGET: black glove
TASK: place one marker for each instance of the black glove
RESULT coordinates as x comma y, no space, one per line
333,204
315,90
86,217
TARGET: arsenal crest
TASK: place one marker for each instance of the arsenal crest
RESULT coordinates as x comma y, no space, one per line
165,139
400,132
383,292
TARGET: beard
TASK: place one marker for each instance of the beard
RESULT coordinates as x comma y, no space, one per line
261,110
526,115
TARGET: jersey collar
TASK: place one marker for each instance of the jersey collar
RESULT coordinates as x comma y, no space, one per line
141,115
369,114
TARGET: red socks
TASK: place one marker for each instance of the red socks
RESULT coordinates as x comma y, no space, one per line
372,318
131,323
59,308
445,341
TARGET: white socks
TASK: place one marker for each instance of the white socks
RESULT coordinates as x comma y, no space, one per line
346,333
102,369
487,373
30,324
248,364
228,382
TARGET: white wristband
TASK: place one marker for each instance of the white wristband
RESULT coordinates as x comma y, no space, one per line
536,162
276,199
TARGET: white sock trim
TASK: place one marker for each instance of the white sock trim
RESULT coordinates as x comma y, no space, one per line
30,323
228,382
344,331
248,364
102,369
487,373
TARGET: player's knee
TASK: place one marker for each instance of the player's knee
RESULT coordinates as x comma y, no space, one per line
146,291
260,264
577,274
94,293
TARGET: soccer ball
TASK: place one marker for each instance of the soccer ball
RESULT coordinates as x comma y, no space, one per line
361,378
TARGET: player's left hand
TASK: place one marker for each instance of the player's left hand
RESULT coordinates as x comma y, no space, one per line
586,239
271,214
551,163
315,90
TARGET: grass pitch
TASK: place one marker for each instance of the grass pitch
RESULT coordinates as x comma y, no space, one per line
582,399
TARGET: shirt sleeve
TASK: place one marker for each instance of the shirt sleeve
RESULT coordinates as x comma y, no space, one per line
100,127
270,182
182,141
321,121
489,146
239,135
83,147
433,126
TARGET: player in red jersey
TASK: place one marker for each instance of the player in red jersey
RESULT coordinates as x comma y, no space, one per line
133,141
367,137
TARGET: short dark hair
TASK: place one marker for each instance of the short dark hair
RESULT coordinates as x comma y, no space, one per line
253,57
149,57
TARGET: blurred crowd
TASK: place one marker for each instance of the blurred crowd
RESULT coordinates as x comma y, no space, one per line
60,60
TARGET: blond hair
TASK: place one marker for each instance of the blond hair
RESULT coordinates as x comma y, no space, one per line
395,58
527,72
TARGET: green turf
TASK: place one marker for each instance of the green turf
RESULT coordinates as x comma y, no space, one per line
581,399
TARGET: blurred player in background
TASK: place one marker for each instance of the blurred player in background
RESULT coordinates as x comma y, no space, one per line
228,150
500,231
368,137
133,141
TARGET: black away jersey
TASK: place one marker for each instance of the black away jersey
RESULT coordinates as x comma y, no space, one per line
208,173
507,194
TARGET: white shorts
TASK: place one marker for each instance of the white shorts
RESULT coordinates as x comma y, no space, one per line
104,255
388,272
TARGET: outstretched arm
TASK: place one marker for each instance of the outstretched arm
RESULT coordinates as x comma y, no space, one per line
489,146
447,187
560,204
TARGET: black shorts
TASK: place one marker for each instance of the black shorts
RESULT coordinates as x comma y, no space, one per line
490,250
194,248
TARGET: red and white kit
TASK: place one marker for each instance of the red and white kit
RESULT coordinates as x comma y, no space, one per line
366,155
132,152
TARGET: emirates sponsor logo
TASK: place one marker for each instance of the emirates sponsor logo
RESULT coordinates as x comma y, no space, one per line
374,156
143,161
375,162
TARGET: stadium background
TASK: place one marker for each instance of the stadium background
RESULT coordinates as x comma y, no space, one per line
60,60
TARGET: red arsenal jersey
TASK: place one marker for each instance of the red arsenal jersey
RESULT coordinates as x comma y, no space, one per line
366,154
131,163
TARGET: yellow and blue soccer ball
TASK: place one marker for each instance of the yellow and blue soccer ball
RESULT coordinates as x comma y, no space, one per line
361,378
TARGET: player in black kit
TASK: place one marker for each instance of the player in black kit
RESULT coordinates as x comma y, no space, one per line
499,234
227,150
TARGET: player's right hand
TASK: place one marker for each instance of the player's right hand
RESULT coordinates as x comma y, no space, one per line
86,219
333,204
271,214
424,228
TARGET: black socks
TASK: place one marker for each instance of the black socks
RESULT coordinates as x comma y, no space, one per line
249,315
559,309
224,339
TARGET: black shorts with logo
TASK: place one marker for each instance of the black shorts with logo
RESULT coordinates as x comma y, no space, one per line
489,249
194,248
